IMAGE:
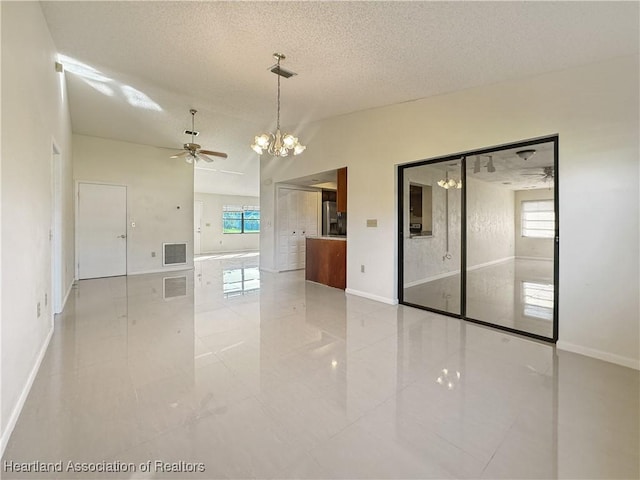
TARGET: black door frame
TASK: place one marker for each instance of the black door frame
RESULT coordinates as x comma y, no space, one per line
463,250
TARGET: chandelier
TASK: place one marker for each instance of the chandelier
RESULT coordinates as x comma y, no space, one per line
448,183
278,144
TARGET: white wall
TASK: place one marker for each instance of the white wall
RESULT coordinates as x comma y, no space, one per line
593,108
490,227
526,246
156,186
425,256
490,231
34,115
212,239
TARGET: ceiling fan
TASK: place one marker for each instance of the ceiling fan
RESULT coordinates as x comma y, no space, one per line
193,151
546,175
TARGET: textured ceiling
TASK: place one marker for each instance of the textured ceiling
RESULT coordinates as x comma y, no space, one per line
166,57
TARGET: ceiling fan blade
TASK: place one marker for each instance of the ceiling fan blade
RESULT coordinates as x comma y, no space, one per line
201,156
179,155
215,154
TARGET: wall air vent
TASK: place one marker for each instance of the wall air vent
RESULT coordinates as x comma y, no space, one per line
174,254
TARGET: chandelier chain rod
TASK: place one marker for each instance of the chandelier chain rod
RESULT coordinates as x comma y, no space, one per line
278,116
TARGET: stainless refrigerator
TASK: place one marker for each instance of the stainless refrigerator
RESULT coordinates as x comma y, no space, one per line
329,218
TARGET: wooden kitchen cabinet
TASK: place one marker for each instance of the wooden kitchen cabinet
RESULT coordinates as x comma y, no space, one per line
341,200
327,262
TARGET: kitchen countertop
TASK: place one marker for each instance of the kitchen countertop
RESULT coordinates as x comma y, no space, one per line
329,237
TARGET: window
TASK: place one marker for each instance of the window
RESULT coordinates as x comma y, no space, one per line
538,219
240,219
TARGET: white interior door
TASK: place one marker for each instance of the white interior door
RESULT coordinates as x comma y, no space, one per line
102,230
197,226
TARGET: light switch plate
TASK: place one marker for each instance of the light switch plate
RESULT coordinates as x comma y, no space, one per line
372,222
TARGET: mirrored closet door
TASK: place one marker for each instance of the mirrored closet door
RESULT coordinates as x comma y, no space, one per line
510,242
431,235
498,267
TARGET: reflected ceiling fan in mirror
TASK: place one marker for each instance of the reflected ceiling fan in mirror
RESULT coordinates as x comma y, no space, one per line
546,175
193,151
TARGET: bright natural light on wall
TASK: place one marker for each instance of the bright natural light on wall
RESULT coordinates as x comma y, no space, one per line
138,99
108,86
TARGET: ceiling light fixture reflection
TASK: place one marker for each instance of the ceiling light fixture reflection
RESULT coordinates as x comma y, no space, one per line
476,165
449,380
526,154
490,167
278,144
448,183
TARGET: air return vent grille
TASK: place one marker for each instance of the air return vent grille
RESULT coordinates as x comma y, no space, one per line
174,254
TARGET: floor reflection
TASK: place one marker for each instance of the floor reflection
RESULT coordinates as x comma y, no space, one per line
299,380
517,294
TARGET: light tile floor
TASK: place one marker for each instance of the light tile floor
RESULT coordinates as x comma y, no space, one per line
298,380
517,293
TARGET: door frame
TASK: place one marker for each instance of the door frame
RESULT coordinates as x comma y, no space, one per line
55,236
201,202
76,198
462,156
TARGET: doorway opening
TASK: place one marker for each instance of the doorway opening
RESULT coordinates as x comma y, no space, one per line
490,254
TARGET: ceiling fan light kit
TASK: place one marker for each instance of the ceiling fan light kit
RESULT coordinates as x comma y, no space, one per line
526,154
193,151
278,144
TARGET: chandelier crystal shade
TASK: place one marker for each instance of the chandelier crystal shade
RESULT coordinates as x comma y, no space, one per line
278,144
448,183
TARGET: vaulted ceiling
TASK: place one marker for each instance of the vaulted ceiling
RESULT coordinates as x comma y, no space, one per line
134,69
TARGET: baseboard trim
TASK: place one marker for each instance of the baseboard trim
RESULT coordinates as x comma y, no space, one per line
66,297
492,262
431,279
269,270
371,296
456,272
535,258
164,270
15,414
599,354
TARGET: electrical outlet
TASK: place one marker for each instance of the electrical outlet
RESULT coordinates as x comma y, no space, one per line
153,254
38,309
361,268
